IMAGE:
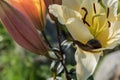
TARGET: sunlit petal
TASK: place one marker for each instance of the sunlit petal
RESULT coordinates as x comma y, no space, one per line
75,4
118,17
103,36
113,7
109,67
63,13
114,34
78,30
86,63
50,2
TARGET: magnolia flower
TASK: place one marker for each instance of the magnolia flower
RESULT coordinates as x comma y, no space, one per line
34,9
21,29
93,26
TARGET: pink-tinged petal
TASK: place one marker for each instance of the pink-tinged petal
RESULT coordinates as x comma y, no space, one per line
21,29
35,9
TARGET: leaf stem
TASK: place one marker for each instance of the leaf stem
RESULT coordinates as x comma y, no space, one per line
45,37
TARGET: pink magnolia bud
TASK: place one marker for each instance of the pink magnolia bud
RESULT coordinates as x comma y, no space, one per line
34,9
21,29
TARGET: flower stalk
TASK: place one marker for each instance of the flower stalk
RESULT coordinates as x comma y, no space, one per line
61,51
47,41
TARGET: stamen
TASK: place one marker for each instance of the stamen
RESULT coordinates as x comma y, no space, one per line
85,13
109,24
108,11
94,8
84,18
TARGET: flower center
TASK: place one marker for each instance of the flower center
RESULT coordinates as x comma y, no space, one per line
98,24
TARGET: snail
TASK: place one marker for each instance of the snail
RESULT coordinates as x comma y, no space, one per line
90,45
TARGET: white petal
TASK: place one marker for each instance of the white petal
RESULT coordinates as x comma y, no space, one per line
109,66
78,30
113,7
118,17
86,63
73,4
88,4
63,13
114,34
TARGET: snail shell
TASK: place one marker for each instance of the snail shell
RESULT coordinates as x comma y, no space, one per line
90,45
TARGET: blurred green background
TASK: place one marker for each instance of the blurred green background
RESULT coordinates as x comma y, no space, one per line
18,64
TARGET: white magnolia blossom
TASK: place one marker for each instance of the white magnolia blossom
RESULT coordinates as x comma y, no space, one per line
88,20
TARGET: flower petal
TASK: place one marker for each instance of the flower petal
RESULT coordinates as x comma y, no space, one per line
103,35
73,4
86,63
21,29
50,2
109,67
118,17
63,13
78,30
113,7
114,34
